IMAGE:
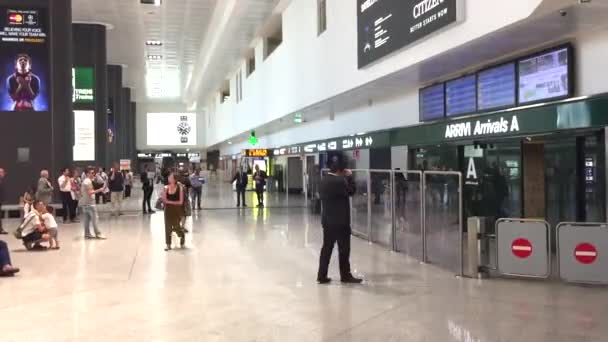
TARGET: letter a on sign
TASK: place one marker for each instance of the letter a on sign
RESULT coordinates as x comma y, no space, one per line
471,172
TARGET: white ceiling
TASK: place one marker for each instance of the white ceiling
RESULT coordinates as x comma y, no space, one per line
183,27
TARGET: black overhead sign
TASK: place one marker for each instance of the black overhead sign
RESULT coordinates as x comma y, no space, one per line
385,26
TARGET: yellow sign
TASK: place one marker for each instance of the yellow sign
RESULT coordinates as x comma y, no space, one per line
260,152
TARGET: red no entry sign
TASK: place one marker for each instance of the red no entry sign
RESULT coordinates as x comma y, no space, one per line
521,248
585,253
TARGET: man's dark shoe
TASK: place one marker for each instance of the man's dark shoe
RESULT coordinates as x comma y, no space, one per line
3,232
324,281
351,280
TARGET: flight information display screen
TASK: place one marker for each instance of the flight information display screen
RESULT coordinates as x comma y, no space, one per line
432,102
461,96
496,87
544,76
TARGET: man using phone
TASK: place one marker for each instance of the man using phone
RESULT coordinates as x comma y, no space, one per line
259,177
336,189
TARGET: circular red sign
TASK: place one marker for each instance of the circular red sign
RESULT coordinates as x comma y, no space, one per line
585,253
521,248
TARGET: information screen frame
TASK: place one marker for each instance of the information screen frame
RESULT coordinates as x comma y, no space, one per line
571,77
515,86
387,26
474,77
421,117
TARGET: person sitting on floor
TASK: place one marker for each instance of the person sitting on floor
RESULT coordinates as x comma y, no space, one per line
6,268
32,229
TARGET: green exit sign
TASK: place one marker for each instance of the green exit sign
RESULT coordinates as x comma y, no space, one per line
298,118
253,140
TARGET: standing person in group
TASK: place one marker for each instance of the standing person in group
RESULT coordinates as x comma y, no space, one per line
241,180
147,184
128,176
197,188
173,198
100,182
76,183
117,186
44,191
89,209
2,174
336,190
65,188
260,182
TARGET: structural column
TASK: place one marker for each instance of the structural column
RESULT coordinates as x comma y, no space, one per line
90,55
37,132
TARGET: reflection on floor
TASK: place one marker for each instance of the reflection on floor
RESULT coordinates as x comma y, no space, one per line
249,275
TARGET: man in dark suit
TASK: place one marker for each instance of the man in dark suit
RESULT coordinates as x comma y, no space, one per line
147,184
336,189
241,186
259,177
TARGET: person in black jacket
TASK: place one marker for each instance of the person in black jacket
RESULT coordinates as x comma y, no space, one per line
2,173
117,186
259,177
336,189
147,184
241,179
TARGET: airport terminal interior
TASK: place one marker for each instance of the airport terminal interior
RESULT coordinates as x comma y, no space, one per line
303,170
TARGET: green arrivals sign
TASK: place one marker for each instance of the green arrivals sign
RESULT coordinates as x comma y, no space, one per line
582,114
83,83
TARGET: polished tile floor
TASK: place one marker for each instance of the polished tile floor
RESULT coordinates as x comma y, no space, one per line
249,276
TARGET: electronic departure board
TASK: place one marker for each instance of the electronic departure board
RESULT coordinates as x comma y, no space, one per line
432,102
496,87
545,76
461,96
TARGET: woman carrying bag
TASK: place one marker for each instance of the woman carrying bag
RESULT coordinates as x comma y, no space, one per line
173,200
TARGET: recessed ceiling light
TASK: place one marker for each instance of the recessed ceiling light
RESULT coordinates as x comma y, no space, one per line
155,57
154,43
151,2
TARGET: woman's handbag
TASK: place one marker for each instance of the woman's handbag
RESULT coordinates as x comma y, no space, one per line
159,204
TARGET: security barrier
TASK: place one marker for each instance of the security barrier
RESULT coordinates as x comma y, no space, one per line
361,205
381,209
523,248
443,229
408,219
581,252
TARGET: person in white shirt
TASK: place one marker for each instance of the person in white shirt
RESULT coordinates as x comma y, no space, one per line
89,209
50,226
33,232
65,188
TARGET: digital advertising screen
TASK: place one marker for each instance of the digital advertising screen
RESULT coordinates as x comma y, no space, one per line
84,135
496,87
432,102
171,129
24,60
385,26
461,96
83,85
544,76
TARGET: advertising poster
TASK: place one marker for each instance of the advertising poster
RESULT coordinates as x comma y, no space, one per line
84,135
83,83
24,60
171,129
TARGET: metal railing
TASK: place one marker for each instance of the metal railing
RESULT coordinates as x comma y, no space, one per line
391,207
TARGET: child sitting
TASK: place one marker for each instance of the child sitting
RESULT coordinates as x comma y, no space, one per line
50,225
